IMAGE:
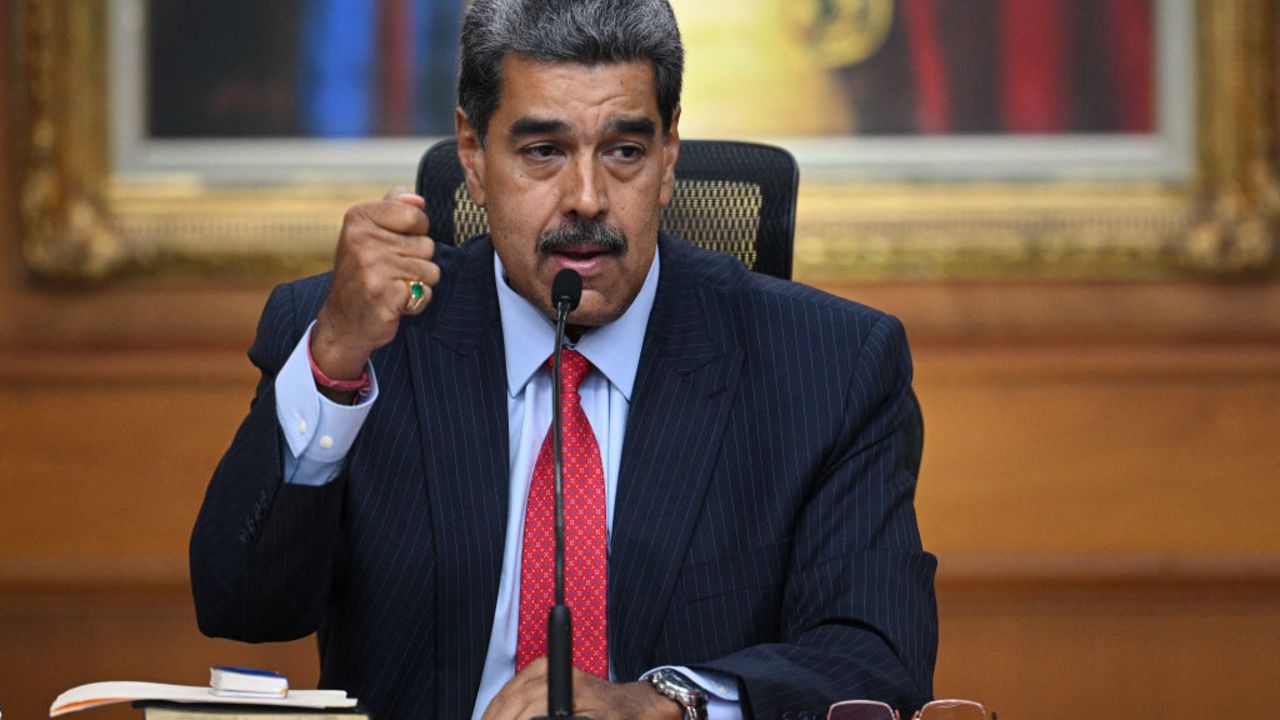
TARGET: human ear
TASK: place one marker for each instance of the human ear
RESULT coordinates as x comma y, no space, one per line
670,153
471,156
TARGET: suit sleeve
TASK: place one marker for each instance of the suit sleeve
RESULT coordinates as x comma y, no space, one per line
859,613
262,551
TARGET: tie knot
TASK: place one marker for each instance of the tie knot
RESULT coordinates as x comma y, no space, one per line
573,367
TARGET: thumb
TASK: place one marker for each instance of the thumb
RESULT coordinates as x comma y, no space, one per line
401,194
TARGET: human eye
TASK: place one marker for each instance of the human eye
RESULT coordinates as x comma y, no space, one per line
627,152
540,152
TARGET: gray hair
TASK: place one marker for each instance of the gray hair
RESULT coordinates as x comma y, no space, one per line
590,32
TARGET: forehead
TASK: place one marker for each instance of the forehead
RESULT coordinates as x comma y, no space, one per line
575,91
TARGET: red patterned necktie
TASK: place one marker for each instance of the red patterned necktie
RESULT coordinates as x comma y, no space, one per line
586,540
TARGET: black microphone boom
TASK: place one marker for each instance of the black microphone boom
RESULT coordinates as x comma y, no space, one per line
566,293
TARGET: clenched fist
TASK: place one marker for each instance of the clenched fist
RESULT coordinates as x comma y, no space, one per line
382,250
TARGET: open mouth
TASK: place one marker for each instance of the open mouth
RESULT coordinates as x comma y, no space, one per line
586,259
584,247
581,252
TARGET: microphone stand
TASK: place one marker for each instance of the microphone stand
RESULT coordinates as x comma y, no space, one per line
566,291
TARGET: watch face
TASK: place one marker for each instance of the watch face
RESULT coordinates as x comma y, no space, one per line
679,688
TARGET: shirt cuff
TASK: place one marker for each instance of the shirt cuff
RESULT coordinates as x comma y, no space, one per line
318,431
721,689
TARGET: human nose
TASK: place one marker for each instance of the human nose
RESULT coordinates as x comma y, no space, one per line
585,196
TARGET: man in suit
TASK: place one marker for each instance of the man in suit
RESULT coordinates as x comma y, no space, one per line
741,450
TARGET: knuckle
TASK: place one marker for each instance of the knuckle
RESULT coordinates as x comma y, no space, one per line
416,224
355,214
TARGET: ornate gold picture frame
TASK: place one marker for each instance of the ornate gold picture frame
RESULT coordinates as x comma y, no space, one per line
83,220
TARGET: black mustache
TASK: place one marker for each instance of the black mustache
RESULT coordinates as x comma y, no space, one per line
606,238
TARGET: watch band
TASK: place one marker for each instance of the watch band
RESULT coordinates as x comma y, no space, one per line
682,690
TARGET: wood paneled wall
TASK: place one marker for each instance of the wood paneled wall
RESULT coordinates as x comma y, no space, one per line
1100,485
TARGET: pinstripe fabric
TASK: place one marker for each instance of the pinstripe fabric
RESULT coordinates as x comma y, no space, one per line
764,523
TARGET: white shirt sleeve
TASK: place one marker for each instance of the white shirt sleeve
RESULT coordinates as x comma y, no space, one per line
318,431
722,691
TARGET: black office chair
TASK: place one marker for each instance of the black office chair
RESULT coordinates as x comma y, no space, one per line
734,197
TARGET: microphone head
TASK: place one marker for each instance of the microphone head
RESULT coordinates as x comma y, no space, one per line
566,289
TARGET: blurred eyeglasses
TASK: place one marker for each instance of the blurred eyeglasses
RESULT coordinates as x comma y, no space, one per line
936,710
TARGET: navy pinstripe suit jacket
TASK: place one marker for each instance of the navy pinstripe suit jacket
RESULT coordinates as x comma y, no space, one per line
763,525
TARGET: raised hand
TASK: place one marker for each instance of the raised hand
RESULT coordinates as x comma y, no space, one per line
382,270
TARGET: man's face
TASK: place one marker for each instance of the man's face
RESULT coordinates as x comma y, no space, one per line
574,173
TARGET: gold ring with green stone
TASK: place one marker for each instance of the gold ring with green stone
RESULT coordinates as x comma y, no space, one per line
417,296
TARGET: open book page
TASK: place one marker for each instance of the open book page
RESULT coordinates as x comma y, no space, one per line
106,693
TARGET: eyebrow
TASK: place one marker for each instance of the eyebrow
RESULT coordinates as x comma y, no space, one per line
537,126
632,126
526,126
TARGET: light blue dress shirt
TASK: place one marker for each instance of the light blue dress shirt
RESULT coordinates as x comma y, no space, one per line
320,433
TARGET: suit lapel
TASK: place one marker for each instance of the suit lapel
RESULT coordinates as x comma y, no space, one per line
684,388
683,392
459,380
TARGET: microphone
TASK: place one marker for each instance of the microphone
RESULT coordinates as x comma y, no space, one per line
566,292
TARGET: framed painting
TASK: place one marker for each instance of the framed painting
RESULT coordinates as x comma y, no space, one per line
1063,139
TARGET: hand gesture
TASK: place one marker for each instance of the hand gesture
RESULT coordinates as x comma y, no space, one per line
382,271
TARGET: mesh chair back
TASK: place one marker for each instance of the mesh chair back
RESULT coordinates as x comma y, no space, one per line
733,197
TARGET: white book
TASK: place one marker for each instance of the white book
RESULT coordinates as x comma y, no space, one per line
245,682
106,693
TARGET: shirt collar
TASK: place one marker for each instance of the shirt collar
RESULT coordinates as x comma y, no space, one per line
614,349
